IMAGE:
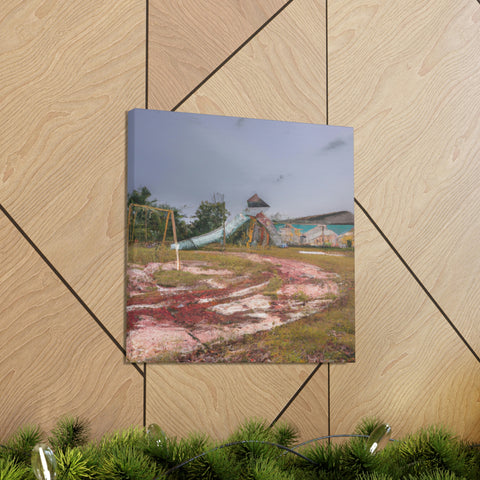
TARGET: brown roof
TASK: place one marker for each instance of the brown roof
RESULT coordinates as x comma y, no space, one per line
256,201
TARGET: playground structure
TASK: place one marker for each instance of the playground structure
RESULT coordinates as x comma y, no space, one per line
216,235
260,224
263,232
266,231
261,229
148,210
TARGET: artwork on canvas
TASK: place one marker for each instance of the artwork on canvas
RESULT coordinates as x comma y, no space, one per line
240,240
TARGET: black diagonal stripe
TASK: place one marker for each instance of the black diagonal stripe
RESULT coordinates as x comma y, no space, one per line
144,395
326,62
147,33
214,71
67,285
412,273
315,370
296,394
328,396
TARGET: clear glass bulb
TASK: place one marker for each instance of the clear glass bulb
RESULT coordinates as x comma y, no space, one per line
155,433
43,462
379,438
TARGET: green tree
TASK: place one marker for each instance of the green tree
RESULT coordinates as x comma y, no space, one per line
210,215
141,197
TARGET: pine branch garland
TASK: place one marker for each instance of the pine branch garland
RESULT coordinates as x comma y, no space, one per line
253,452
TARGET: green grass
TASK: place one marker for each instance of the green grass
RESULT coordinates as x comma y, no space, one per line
237,265
273,286
301,296
177,278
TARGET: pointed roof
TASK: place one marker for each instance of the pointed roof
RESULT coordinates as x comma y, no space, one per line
255,201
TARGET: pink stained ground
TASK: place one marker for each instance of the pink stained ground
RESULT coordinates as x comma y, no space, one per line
222,307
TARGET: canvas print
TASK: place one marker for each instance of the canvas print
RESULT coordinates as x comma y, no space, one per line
240,240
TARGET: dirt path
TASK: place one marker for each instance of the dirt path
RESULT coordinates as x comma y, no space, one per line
221,306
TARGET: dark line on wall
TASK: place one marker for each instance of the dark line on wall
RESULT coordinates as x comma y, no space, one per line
144,395
429,295
213,72
328,396
304,384
326,122
67,285
315,370
147,11
326,62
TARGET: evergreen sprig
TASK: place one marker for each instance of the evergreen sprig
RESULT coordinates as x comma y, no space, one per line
368,425
432,449
127,463
19,446
11,470
72,465
69,432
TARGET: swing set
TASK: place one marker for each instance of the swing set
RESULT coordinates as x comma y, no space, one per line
148,210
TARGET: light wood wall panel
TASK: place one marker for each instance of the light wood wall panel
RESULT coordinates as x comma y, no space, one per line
279,75
54,359
405,76
69,72
216,399
188,40
411,369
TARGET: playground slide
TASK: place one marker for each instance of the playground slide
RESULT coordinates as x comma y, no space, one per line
268,224
213,236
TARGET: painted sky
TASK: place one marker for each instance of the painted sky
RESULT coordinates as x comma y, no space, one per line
299,169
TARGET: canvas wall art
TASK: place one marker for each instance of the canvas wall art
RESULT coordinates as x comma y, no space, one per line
240,240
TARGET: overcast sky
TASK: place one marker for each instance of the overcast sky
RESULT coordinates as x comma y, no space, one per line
299,169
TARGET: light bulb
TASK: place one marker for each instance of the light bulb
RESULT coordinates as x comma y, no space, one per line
379,438
43,462
155,433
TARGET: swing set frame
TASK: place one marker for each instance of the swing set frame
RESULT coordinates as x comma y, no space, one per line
150,208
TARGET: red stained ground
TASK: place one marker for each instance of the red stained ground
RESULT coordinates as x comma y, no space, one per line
162,322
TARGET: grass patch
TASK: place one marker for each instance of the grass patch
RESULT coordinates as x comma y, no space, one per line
177,278
142,255
236,264
273,286
301,296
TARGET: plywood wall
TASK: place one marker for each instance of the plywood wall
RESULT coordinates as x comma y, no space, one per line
69,72
405,75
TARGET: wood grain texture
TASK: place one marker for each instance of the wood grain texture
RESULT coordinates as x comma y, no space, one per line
54,359
189,39
216,399
69,72
406,76
411,369
279,75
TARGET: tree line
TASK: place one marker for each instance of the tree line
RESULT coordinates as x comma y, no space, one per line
148,225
